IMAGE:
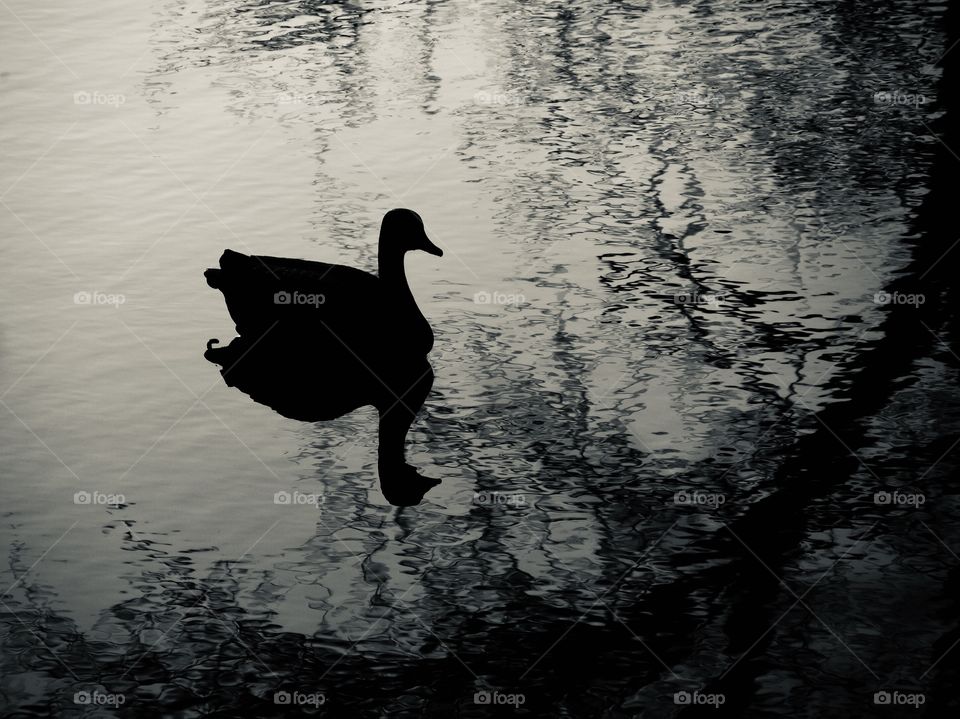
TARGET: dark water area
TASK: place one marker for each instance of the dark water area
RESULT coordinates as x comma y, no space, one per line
694,406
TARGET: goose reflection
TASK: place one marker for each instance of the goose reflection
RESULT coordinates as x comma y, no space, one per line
317,341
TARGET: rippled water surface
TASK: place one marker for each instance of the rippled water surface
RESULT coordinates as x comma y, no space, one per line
665,227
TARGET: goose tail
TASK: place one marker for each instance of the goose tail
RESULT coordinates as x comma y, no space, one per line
213,277
231,262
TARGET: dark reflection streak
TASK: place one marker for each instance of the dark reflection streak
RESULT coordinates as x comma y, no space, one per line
671,249
565,470
612,541
333,21
561,674
612,619
428,43
818,464
566,68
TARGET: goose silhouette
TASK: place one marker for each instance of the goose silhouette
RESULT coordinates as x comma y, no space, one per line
317,341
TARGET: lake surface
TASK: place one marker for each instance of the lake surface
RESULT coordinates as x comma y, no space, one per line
665,228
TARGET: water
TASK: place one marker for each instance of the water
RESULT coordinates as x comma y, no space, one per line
665,226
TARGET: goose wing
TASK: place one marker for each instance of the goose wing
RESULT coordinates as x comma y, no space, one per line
295,295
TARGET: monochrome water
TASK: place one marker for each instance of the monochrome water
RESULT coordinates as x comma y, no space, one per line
685,439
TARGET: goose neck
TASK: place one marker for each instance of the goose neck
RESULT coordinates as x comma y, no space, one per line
390,270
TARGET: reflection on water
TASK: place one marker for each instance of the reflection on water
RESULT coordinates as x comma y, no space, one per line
679,351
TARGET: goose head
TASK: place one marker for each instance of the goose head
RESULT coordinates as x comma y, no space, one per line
402,230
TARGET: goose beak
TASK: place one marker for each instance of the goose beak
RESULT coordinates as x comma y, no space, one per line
429,247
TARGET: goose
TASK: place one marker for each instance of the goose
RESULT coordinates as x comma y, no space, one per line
318,340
